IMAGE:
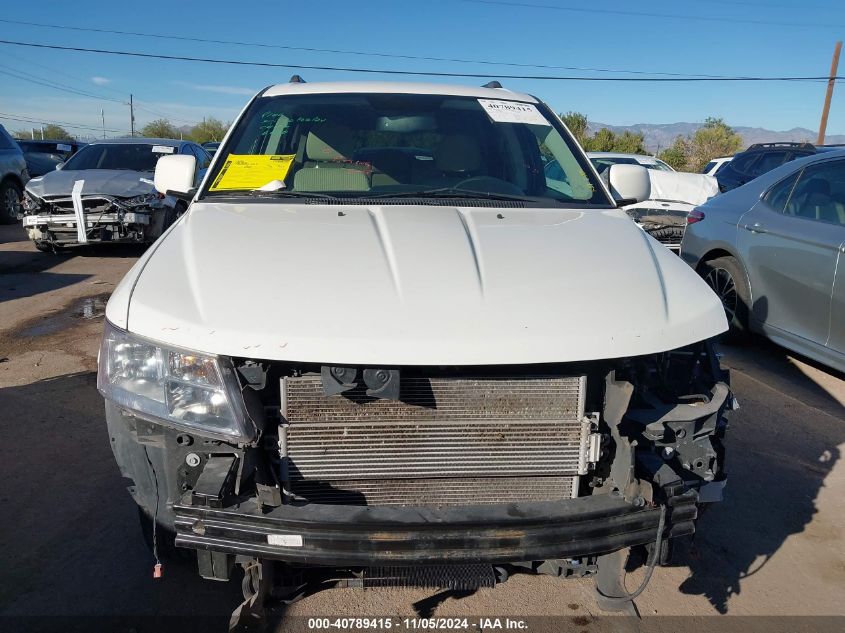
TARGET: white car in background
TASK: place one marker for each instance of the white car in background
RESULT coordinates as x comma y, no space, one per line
672,195
603,160
670,207
714,166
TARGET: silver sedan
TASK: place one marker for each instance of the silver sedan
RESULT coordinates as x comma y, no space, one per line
774,252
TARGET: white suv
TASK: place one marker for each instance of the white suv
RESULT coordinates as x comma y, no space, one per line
381,343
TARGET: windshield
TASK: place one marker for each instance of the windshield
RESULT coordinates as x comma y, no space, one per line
606,161
133,156
385,145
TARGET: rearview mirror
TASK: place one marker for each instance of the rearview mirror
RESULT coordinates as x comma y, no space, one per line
174,175
628,183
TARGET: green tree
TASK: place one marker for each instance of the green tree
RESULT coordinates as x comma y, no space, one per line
160,128
716,138
606,140
676,154
209,129
55,133
602,141
577,124
629,143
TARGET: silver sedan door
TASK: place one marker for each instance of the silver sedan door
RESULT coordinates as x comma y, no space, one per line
789,242
836,341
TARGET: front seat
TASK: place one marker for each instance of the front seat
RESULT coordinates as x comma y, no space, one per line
328,165
456,158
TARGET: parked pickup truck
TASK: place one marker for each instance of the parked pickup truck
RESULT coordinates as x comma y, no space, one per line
382,347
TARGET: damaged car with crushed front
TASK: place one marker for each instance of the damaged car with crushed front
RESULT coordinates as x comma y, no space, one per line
382,348
104,193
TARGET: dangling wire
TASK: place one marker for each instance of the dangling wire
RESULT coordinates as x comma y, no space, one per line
655,556
157,568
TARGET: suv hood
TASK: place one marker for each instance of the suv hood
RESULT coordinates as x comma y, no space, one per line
413,285
111,182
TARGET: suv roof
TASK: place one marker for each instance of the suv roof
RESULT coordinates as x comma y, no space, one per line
639,157
175,142
780,145
389,87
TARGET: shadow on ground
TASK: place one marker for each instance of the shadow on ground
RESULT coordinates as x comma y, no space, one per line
777,462
72,545
26,273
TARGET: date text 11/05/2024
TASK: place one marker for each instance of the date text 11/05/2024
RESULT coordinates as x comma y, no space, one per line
416,624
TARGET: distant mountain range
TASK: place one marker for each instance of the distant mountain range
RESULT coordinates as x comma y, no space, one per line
659,136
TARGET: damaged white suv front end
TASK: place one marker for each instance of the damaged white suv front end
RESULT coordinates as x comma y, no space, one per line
382,346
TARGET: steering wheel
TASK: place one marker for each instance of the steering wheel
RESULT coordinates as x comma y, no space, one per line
489,184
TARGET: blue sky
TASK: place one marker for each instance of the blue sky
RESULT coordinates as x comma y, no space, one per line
719,37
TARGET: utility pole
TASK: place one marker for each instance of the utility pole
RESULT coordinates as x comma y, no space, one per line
33,133
131,116
834,67
103,115
42,131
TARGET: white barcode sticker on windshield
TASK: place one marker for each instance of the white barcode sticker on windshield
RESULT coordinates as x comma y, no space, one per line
512,112
163,149
63,148
285,540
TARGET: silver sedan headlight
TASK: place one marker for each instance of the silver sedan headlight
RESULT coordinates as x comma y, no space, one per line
180,388
145,200
31,202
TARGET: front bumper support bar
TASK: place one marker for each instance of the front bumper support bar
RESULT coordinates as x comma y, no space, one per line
366,536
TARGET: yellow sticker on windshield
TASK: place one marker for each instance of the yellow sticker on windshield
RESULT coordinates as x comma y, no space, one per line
251,171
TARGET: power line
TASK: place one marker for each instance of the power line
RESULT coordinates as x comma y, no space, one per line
11,72
49,83
55,71
161,114
417,73
185,38
22,119
672,16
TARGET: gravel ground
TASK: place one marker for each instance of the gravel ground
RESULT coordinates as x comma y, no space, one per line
72,545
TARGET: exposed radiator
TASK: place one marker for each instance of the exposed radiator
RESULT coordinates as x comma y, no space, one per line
447,441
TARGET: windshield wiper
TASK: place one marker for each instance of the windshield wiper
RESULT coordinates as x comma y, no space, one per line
281,193
450,192
284,193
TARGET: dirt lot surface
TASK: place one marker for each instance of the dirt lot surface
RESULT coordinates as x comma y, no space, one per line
72,544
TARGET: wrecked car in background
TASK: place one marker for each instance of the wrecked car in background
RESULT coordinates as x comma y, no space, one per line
105,193
671,203
456,367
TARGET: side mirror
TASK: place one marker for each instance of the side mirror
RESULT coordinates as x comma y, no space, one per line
59,166
628,183
174,175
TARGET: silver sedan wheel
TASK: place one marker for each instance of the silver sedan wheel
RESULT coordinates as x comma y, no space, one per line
722,283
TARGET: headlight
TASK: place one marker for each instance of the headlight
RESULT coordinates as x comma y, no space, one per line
30,202
180,388
145,200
